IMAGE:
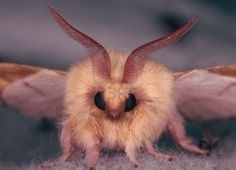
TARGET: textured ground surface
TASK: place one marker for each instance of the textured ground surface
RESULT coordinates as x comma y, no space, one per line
25,144
29,35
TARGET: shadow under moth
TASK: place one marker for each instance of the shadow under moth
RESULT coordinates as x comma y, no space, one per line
115,100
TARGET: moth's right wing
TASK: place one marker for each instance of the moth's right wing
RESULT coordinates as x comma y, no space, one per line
36,92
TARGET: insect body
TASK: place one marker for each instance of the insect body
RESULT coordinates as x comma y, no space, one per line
114,100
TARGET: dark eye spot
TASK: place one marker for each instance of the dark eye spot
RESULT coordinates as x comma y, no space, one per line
99,101
130,103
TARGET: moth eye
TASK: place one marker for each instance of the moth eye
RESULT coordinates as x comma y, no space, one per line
99,101
130,103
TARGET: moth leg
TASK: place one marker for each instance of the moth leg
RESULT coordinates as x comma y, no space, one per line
154,152
67,148
131,154
208,139
177,130
92,149
67,144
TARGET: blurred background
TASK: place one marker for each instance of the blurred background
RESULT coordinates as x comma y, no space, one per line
29,35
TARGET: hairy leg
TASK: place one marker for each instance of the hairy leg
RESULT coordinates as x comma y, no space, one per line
131,154
66,144
150,148
67,149
177,130
92,149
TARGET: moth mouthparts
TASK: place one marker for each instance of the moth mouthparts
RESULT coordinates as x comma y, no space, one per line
114,113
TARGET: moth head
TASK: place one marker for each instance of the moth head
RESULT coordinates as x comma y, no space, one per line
116,100
115,96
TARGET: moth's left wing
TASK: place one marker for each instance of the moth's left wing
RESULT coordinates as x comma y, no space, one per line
207,94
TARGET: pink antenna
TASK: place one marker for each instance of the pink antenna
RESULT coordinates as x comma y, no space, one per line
98,55
136,60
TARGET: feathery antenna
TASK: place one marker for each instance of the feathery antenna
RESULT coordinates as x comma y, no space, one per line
98,55
136,60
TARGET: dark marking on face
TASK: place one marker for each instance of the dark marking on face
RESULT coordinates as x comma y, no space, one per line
130,103
99,101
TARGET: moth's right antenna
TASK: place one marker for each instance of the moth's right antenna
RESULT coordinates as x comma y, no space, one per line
99,57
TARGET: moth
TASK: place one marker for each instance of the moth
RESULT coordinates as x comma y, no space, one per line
116,100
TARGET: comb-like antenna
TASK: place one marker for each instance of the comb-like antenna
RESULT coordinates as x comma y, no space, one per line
98,55
136,60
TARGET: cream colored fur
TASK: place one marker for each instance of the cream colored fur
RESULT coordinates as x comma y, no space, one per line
86,123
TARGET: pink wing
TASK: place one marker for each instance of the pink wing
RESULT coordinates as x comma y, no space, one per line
207,95
38,95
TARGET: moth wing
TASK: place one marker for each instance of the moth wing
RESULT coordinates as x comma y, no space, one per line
38,95
11,72
207,95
